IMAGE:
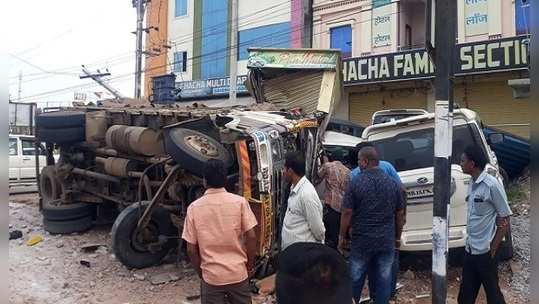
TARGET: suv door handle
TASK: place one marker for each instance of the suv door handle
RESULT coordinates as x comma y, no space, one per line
26,158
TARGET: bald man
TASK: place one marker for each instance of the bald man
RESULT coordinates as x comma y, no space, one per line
374,203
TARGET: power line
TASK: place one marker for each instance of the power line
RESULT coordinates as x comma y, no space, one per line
125,57
208,54
36,66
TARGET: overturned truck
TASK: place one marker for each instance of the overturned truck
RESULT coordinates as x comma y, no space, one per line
140,165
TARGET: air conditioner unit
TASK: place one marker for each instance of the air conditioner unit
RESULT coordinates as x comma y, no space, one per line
521,87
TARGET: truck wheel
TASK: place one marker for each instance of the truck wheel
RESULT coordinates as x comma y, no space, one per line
62,136
132,248
69,226
65,212
61,119
49,185
192,149
505,252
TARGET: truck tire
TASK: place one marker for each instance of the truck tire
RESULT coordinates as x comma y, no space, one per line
130,249
62,136
70,226
49,185
67,211
505,252
61,119
192,149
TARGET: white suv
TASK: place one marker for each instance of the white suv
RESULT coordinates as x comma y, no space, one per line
409,145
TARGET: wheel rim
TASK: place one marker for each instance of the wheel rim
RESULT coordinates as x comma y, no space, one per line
202,145
140,239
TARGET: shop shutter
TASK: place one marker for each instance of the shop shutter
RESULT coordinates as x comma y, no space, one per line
363,105
494,103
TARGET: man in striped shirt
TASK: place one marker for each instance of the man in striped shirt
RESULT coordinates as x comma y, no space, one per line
303,217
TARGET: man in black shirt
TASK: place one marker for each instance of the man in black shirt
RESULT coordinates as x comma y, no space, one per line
373,204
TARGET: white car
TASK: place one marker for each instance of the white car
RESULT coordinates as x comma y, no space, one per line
22,159
408,144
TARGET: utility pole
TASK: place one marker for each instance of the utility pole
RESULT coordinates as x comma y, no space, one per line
97,78
445,23
139,4
233,54
20,84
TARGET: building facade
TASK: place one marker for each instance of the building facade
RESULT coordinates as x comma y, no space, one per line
197,36
386,64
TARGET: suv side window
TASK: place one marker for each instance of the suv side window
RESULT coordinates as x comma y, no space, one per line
13,149
28,147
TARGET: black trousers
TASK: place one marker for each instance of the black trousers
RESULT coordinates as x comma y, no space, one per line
332,223
480,270
238,293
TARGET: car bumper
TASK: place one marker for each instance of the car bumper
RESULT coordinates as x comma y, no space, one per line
421,240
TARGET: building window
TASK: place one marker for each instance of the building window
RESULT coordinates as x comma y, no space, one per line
274,35
408,36
180,62
522,16
341,38
214,44
180,8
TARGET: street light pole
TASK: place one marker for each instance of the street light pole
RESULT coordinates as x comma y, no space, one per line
233,53
138,61
445,28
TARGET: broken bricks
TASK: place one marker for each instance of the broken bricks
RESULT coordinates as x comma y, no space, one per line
163,278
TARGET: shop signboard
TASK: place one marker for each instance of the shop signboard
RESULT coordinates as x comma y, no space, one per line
489,56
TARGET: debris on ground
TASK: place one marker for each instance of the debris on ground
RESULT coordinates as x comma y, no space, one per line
15,234
85,263
91,248
34,240
266,286
409,275
163,278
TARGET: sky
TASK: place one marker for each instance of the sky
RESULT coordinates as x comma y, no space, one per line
48,41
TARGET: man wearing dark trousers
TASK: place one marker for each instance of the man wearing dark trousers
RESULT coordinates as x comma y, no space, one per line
335,175
375,203
391,172
221,240
487,223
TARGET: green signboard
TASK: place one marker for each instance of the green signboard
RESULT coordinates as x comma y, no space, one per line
293,58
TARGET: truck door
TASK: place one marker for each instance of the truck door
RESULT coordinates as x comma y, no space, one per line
14,158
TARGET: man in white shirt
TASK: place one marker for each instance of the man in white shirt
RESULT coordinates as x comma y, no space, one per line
303,218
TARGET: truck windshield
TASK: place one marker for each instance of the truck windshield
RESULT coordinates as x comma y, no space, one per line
415,149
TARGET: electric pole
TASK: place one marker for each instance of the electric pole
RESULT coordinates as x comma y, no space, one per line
445,23
97,78
233,53
20,84
139,4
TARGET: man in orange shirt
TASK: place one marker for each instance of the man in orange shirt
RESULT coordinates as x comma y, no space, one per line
221,240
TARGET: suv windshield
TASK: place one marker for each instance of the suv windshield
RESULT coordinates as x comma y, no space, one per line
415,149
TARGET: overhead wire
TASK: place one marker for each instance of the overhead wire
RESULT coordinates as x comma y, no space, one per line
200,56
127,56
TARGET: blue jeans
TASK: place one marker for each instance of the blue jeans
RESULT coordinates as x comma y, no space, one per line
381,264
394,271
